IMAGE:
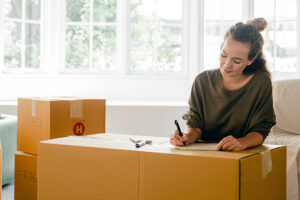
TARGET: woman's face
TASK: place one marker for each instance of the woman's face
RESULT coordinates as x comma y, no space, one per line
234,58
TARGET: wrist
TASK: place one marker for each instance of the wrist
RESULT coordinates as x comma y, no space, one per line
192,135
243,143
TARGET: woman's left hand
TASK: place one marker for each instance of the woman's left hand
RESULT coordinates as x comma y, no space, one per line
231,143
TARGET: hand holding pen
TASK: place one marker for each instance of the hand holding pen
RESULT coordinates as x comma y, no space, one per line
177,138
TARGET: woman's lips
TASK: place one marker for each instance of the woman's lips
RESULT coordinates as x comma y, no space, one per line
227,71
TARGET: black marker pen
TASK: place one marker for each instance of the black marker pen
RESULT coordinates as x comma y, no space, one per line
179,130
141,143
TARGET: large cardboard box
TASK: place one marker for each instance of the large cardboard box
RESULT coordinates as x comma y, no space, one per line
42,119
25,176
109,167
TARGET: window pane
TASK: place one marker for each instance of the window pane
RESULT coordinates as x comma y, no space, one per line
32,46
33,8
156,35
104,48
12,45
286,58
286,9
212,42
212,10
232,9
264,9
78,10
105,10
269,45
280,52
13,8
145,9
219,15
77,47
155,49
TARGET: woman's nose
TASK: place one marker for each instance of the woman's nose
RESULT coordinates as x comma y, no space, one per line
227,63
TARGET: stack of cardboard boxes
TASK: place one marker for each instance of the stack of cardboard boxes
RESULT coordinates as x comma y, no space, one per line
47,118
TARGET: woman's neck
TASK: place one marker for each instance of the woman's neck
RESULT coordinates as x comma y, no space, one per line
234,83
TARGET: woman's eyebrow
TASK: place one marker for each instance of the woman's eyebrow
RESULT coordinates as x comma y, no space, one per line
238,58
223,51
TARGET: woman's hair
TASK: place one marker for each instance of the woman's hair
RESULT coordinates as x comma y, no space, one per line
249,32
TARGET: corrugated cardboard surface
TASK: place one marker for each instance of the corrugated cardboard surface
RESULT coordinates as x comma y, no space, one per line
43,119
80,173
171,176
32,129
273,186
95,166
25,176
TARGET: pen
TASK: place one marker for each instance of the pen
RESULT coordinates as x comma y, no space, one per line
141,143
179,130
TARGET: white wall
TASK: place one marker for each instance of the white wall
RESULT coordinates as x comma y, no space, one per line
135,118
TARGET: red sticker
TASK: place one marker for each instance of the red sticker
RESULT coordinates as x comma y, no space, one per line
78,129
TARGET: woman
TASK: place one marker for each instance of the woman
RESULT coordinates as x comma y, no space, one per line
233,104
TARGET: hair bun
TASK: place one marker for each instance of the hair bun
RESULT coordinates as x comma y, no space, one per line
259,23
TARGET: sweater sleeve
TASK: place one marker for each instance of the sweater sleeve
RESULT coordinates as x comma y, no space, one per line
263,116
194,116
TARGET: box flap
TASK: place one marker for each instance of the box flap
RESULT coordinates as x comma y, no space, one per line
159,145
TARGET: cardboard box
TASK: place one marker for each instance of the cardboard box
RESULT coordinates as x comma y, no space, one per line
109,167
25,176
43,119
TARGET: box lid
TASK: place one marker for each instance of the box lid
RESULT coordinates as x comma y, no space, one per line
159,145
56,98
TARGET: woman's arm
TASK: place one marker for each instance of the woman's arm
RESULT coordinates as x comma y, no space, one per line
193,135
238,144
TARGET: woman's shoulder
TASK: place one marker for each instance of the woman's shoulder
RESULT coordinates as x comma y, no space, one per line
208,74
263,80
263,76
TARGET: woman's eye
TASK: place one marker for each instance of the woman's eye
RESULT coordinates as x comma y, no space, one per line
223,56
236,62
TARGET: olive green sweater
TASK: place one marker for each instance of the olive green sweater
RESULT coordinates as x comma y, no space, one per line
219,112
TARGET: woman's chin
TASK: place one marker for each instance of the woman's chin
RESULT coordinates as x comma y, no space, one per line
226,73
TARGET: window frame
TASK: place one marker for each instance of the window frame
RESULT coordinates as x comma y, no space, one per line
23,21
123,45
151,87
50,80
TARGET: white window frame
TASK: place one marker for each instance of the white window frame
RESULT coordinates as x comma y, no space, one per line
115,86
91,26
1,34
289,75
122,86
23,21
123,44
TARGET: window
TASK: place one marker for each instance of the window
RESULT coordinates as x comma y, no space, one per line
218,16
280,52
92,28
22,35
281,35
155,36
91,35
131,49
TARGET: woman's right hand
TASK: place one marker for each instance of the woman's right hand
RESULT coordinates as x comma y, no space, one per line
176,140
192,135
